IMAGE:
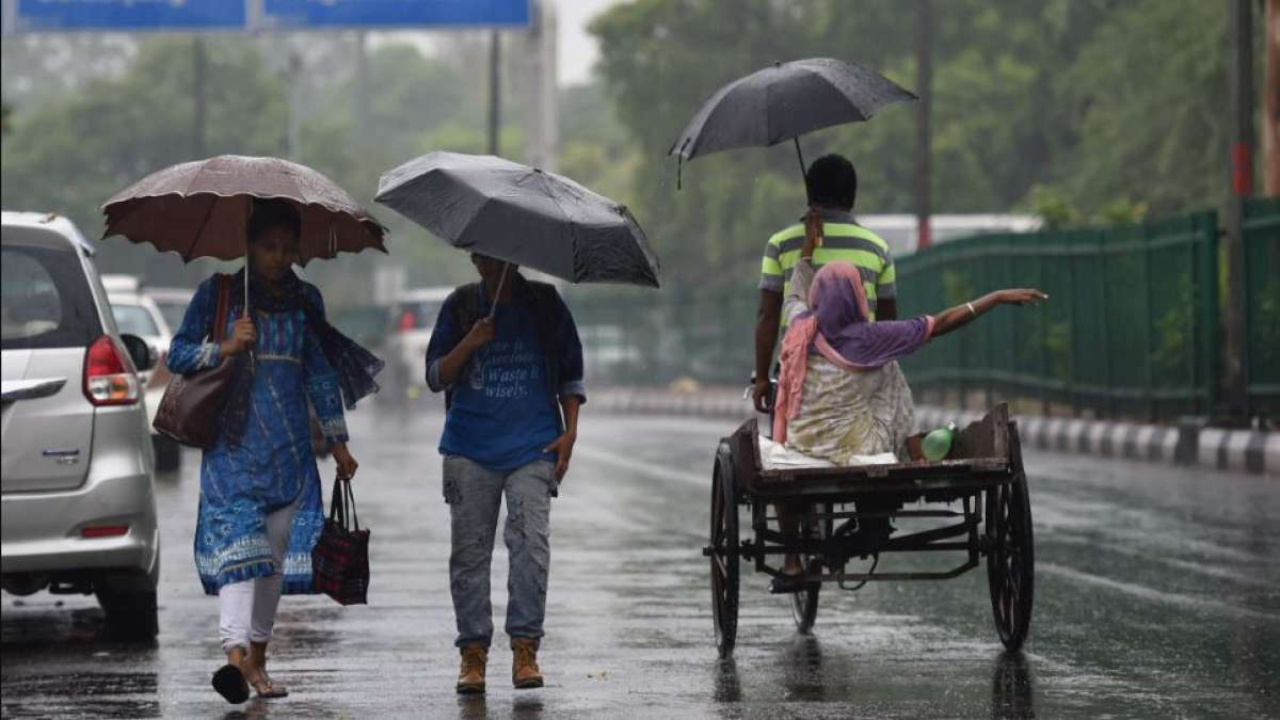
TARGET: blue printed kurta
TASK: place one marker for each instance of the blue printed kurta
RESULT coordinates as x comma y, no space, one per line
272,465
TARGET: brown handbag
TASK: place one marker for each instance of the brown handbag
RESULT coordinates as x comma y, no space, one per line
191,410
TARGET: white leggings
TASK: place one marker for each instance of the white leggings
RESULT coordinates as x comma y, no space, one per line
249,607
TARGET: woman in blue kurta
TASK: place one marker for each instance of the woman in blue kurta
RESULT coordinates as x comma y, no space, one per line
261,507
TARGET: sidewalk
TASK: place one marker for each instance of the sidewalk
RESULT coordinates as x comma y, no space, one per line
1188,444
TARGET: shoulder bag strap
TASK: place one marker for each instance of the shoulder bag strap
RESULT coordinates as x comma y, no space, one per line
220,315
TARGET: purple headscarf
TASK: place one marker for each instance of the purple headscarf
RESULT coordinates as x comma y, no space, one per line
837,325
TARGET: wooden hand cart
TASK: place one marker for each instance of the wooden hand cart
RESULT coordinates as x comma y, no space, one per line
983,473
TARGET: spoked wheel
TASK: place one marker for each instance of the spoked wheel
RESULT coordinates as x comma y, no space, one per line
804,604
1011,559
724,552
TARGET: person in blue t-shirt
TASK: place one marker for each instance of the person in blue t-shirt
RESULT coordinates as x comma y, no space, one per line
505,351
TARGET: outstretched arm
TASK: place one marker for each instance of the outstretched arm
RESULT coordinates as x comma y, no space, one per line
961,315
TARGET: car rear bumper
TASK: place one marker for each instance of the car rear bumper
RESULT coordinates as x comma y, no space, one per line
41,532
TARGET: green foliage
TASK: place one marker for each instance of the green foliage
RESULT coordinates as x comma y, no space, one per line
1151,96
1085,110
68,151
1053,207
957,288
1266,323
1122,211
1175,337
70,156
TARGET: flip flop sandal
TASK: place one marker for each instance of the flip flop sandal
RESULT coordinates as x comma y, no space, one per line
267,689
229,682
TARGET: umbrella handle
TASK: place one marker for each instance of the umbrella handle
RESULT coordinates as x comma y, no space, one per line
501,282
252,360
246,282
800,157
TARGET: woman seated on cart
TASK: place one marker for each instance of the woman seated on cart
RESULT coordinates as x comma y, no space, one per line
841,394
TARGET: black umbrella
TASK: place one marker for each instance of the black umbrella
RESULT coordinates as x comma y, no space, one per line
495,207
783,102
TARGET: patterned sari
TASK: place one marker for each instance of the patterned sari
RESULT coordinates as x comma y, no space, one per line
848,400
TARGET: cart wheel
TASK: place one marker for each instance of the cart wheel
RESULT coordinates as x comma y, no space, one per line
804,604
1011,559
724,558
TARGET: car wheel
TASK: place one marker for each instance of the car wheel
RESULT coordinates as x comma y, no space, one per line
168,453
130,615
130,604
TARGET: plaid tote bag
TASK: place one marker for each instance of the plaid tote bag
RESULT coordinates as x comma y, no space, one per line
340,559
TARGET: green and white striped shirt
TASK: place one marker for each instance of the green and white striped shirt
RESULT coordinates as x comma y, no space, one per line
844,240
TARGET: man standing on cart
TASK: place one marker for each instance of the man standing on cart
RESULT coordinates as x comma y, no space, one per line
832,186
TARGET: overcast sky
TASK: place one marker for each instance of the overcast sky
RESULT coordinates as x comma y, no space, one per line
578,50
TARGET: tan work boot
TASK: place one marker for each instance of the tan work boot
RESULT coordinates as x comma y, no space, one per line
524,664
471,676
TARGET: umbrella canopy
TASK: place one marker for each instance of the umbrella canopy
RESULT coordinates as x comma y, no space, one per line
201,208
513,212
783,102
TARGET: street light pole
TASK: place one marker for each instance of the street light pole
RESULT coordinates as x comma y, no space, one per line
1240,74
1271,100
924,108
199,65
495,88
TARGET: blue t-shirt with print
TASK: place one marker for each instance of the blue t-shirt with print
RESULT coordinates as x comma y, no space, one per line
501,415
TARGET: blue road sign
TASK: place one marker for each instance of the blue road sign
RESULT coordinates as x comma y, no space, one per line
334,14
128,15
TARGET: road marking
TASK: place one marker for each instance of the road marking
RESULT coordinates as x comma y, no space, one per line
1146,593
652,470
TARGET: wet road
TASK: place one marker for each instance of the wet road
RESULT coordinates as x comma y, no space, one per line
1158,595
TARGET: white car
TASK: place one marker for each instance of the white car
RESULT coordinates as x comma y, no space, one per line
77,502
412,317
137,313
172,302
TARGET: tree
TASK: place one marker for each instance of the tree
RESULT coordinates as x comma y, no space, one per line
1150,95
70,155
996,65
1114,105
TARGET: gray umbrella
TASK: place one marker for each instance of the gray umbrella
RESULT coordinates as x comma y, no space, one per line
495,207
783,102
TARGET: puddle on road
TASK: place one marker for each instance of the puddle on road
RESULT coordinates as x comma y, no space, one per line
83,694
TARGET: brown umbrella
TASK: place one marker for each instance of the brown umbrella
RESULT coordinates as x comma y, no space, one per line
201,208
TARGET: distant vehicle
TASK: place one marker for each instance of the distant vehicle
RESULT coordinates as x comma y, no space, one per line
77,504
172,302
900,230
366,324
610,354
137,313
411,318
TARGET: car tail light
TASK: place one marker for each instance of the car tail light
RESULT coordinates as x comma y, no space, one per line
101,531
407,320
109,377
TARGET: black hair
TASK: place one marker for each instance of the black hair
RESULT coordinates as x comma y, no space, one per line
832,182
273,212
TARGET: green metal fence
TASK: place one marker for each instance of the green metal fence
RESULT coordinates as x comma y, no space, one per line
1262,262
1131,327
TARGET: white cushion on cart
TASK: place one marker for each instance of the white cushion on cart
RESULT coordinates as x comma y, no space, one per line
776,456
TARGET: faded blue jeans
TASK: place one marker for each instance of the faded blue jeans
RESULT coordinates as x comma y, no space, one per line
474,494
